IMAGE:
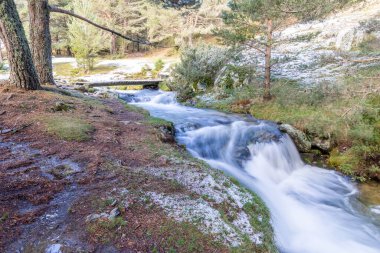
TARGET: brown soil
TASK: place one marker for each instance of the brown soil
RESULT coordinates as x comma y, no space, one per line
37,204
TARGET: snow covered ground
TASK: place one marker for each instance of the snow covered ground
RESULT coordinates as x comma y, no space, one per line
126,66
123,67
322,50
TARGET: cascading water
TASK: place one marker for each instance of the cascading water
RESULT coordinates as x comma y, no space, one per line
313,209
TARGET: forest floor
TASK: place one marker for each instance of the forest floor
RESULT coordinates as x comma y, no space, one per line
79,174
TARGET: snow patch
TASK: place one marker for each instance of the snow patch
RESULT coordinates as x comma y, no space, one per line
217,188
199,212
54,248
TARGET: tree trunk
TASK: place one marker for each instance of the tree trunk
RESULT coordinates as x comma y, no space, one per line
113,48
125,44
268,57
23,73
40,38
1,52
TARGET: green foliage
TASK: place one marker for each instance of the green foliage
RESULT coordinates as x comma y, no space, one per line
232,77
252,23
247,19
159,65
260,221
112,223
59,28
85,39
68,128
199,65
164,86
143,74
106,230
157,122
185,237
136,109
307,37
4,217
337,112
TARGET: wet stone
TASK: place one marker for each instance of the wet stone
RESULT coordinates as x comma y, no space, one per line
114,213
95,216
62,107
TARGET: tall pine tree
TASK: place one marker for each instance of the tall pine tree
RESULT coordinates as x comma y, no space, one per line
23,73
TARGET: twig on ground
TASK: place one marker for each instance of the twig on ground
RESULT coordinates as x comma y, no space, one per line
15,130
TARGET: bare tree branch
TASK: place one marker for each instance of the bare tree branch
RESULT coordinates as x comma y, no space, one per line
70,13
256,48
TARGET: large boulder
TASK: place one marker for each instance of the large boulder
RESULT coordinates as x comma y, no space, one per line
322,144
166,133
300,139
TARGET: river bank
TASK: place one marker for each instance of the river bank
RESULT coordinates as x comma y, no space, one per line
88,174
331,158
340,121
267,162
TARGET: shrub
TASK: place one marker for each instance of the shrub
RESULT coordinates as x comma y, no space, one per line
164,86
369,45
234,76
159,65
199,65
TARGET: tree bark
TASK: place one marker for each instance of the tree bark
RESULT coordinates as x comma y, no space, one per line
113,47
268,57
41,40
1,52
22,71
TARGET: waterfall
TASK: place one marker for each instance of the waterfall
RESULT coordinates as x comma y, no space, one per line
313,210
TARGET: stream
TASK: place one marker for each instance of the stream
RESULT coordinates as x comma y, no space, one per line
312,209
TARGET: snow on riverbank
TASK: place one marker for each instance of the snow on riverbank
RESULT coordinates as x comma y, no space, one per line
123,67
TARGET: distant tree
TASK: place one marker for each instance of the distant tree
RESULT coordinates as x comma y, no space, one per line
22,71
253,22
59,29
160,25
202,20
110,15
85,39
135,21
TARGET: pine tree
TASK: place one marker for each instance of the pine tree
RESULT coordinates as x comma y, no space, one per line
40,39
85,39
254,21
135,21
59,29
23,73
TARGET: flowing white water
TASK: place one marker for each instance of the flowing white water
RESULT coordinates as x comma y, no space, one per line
313,210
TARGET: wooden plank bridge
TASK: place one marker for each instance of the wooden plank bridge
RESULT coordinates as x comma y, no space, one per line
151,83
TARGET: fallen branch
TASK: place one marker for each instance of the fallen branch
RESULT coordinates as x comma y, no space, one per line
70,13
14,130
367,60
